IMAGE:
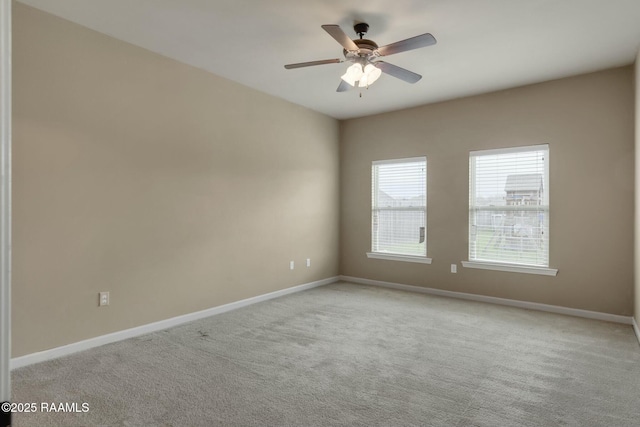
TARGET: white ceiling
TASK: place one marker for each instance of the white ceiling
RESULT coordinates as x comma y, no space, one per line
483,45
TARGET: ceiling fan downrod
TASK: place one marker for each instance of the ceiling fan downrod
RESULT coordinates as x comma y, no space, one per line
361,28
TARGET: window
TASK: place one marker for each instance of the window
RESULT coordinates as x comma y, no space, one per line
509,208
399,210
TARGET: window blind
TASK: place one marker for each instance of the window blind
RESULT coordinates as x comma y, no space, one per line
509,205
399,207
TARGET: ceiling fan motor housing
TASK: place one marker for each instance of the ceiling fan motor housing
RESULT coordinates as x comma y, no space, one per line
366,49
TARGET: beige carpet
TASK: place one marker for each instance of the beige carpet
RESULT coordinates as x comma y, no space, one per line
350,355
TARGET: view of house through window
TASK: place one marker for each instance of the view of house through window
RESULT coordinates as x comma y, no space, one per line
509,205
399,207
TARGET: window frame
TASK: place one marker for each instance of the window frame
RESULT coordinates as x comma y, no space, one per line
423,259
502,265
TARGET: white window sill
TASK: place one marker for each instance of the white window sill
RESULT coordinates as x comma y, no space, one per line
404,258
515,268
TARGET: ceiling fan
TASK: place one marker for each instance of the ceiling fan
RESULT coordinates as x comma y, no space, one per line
364,55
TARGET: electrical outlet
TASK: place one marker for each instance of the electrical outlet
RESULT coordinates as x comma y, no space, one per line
291,265
104,299
454,268
308,262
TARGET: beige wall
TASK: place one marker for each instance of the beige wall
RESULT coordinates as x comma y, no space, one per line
588,123
173,189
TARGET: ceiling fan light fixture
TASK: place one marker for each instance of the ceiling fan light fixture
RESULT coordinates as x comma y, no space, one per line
370,75
353,74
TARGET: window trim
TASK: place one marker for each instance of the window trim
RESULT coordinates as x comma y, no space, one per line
514,268
396,257
508,150
506,266
421,259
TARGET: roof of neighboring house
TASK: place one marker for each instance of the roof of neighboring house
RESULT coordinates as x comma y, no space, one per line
524,182
386,200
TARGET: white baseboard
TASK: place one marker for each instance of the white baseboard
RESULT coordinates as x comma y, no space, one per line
627,320
636,329
54,353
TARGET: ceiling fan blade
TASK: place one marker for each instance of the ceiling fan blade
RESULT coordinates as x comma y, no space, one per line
416,42
398,72
336,32
311,63
343,87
